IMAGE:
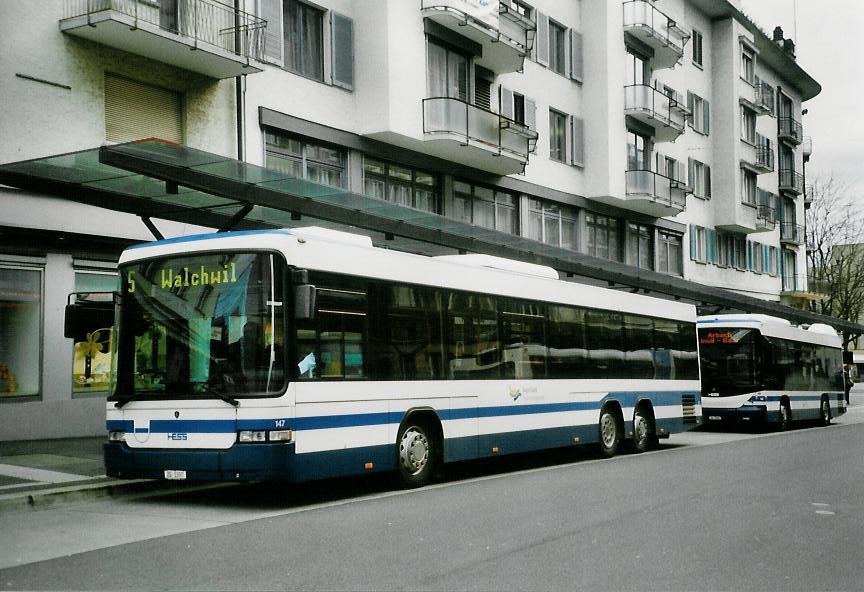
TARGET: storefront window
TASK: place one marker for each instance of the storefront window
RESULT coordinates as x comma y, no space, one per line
20,331
91,361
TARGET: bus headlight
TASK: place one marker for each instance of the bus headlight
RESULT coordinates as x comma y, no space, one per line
116,436
252,436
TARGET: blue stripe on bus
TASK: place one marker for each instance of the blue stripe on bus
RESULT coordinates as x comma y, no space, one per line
321,422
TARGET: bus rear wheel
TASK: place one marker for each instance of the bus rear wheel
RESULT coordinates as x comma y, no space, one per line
825,411
416,450
610,432
644,433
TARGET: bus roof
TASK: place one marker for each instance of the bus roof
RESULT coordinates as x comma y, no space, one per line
339,252
774,327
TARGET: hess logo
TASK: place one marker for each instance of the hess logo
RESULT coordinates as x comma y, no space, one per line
178,436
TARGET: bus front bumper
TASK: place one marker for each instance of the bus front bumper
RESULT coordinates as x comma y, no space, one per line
744,413
241,462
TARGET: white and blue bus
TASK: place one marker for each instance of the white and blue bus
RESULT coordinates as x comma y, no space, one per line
758,368
302,354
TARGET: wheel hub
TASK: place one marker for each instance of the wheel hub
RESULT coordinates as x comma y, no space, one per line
413,451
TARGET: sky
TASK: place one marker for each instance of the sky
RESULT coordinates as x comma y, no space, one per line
827,35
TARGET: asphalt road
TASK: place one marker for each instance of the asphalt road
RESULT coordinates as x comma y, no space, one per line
709,511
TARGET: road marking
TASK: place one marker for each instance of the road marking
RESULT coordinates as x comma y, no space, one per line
41,475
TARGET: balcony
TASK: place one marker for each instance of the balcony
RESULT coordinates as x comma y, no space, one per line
225,41
664,113
655,194
766,211
763,98
790,130
791,182
505,35
791,233
456,130
643,21
764,162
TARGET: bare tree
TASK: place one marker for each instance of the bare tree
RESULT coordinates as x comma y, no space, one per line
835,257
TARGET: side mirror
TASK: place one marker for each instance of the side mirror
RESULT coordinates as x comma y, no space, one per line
83,315
304,301
847,357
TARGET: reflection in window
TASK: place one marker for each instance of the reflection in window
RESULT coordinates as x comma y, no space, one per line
305,160
401,185
20,331
91,362
484,207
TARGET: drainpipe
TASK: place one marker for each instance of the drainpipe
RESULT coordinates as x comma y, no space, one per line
238,85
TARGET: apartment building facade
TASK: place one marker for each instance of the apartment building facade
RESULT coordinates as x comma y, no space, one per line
663,135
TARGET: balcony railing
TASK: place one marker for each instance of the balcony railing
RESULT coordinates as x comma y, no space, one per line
791,233
227,39
664,195
790,130
791,182
657,30
662,112
805,283
506,35
766,210
447,118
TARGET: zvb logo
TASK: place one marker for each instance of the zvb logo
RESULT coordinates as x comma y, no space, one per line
515,393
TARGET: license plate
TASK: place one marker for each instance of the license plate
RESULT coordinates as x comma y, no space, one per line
175,475
714,417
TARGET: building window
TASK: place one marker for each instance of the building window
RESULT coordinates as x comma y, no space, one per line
519,8
700,113
482,206
696,41
91,353
636,67
402,185
604,237
747,60
304,39
552,224
670,255
134,110
557,136
20,331
699,178
446,72
638,152
748,187
640,246
556,47
305,160
748,125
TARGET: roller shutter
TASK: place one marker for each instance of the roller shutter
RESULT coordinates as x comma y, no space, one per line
134,110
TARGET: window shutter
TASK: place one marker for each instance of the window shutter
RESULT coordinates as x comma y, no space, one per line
693,252
707,170
271,11
342,54
706,113
766,259
690,117
134,110
575,55
542,41
711,251
658,163
578,130
530,113
749,257
691,181
505,102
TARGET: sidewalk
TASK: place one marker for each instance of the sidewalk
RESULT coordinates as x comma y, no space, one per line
35,474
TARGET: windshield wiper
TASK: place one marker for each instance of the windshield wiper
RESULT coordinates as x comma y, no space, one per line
211,390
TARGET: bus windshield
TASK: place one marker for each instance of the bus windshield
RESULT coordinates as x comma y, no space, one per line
202,325
728,358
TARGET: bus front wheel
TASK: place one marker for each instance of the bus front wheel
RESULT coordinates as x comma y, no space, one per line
785,416
825,411
416,455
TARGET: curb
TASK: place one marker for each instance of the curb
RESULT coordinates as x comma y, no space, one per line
46,498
